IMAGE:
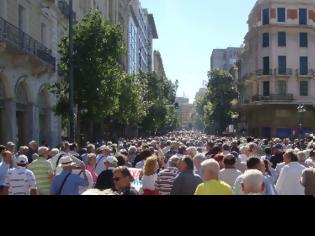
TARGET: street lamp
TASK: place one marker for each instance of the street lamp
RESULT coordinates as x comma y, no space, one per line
301,110
71,82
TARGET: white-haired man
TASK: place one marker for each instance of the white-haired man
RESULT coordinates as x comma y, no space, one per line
100,158
253,182
191,151
212,185
198,159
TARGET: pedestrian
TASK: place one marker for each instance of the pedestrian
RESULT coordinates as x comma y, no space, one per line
311,160
105,179
89,149
187,181
68,183
77,170
100,158
308,181
90,166
32,148
277,156
55,160
302,158
166,177
212,185
229,173
43,171
289,179
122,179
132,153
4,168
198,159
191,151
19,180
2,149
149,175
253,183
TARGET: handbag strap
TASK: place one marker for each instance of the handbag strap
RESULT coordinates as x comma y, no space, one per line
63,183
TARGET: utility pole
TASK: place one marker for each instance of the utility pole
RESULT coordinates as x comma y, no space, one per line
71,82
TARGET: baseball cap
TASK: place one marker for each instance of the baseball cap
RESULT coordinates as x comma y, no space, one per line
22,159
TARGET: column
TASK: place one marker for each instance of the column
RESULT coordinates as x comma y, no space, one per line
9,120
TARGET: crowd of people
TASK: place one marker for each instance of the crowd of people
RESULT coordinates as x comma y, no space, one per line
179,163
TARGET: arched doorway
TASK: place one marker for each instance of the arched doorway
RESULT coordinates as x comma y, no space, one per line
1,112
21,114
43,105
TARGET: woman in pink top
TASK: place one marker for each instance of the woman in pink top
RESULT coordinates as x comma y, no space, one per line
91,161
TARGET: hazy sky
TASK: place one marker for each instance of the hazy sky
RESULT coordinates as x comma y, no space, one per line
188,32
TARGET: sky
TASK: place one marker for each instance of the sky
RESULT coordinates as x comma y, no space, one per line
188,32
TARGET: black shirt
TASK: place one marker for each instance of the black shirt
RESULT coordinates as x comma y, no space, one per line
275,159
105,180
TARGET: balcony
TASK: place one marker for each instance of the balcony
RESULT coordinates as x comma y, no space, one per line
309,74
273,97
283,72
263,72
15,37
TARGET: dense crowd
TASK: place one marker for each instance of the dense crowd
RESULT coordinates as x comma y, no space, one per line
179,163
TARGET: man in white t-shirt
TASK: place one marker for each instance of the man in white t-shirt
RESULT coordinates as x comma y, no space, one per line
229,173
100,158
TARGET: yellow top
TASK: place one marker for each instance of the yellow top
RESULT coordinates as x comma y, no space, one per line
213,187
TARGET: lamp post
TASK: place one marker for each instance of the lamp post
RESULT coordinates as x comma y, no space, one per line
71,82
301,110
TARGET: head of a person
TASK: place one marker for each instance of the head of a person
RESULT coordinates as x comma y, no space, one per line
209,146
226,148
54,152
33,145
186,164
74,147
91,159
256,163
244,150
110,162
290,156
173,162
65,146
145,147
2,149
90,148
198,159
229,161
150,166
268,151
121,158
191,151
43,151
219,158
210,170
23,150
301,156
7,157
312,154
66,163
22,161
122,178
252,148
182,149
105,150
10,146
253,182
216,149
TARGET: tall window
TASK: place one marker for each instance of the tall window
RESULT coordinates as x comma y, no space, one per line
282,63
303,65
282,87
266,88
266,16
303,16
43,34
282,39
22,18
303,88
281,14
265,40
303,40
266,66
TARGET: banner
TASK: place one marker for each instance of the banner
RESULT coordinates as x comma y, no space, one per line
137,183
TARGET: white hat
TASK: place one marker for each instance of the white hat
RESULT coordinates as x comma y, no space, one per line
104,147
66,161
22,159
111,160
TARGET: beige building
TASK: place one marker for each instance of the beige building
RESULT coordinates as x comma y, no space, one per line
276,71
158,66
224,59
185,112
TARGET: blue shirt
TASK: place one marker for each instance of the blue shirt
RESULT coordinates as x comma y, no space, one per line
4,167
71,186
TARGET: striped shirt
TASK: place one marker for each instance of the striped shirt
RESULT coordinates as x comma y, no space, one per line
165,180
20,181
42,169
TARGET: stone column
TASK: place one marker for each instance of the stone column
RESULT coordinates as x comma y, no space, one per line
32,122
9,120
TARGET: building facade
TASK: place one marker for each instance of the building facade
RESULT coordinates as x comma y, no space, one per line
184,112
224,59
276,69
158,66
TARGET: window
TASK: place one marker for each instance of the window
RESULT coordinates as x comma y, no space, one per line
281,14
303,40
2,8
265,40
266,65
22,18
266,89
266,16
303,65
303,88
43,34
303,16
282,39
282,63
282,87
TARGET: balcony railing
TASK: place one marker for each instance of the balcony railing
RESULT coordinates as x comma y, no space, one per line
263,72
308,73
283,72
273,97
22,41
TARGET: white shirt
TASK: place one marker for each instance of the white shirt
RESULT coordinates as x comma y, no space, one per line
100,166
90,180
243,158
279,167
20,181
289,180
56,166
148,182
229,176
